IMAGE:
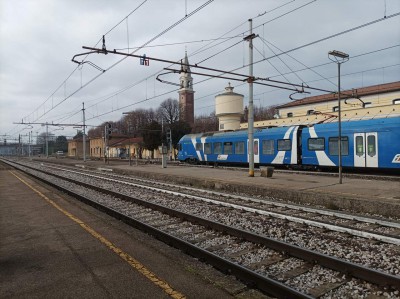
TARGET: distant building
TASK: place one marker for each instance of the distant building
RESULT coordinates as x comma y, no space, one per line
186,94
124,147
9,149
120,146
375,101
75,148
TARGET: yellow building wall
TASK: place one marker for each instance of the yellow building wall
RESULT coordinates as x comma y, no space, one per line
381,106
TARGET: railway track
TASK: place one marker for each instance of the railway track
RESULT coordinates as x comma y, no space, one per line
252,257
368,227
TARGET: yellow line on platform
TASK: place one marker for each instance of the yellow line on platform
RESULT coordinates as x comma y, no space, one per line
129,259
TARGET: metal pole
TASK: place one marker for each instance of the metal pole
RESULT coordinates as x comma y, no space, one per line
163,156
104,148
29,145
339,58
340,127
84,133
129,153
170,144
251,112
47,140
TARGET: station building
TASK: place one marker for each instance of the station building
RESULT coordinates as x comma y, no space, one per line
75,148
370,102
118,147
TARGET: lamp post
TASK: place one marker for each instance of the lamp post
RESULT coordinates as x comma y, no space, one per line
339,58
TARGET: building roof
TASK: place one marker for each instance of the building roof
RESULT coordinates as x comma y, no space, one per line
185,66
364,91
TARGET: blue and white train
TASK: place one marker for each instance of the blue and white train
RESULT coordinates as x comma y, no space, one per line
373,143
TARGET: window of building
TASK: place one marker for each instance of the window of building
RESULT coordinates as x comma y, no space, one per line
217,148
310,112
367,104
268,147
316,144
290,114
396,102
228,148
334,146
199,146
221,126
239,147
335,108
284,145
207,148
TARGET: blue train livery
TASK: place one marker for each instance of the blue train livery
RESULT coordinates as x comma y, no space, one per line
373,143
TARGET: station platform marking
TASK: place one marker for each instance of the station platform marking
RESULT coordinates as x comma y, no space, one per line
125,256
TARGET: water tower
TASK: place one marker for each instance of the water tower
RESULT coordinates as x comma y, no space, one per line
229,109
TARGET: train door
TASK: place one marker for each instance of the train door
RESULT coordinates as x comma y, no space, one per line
366,149
256,151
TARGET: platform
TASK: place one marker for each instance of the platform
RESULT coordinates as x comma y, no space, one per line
53,246
354,194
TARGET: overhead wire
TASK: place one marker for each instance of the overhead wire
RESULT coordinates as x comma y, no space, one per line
330,36
270,62
267,42
119,61
346,31
69,76
330,62
181,20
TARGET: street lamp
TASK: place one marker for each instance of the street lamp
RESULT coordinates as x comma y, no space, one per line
339,58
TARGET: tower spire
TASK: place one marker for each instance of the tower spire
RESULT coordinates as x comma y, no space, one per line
186,93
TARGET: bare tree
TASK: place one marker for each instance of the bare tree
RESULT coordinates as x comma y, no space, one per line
169,111
264,113
96,132
205,123
260,113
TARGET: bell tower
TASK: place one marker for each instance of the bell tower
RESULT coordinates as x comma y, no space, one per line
186,93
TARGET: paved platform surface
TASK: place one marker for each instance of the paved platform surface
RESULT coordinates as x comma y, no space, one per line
52,246
354,194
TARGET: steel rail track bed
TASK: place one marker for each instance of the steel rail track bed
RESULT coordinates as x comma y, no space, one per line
242,273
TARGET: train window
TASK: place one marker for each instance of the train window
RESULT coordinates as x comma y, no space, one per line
290,114
396,102
335,108
310,112
180,147
239,147
199,146
217,148
268,147
207,148
334,146
359,146
284,145
371,145
228,148
316,144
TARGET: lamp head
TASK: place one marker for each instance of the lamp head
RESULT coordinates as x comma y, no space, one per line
339,54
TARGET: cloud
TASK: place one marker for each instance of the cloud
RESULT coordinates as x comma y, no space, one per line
39,39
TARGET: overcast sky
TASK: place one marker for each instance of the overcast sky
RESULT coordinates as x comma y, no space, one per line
39,83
